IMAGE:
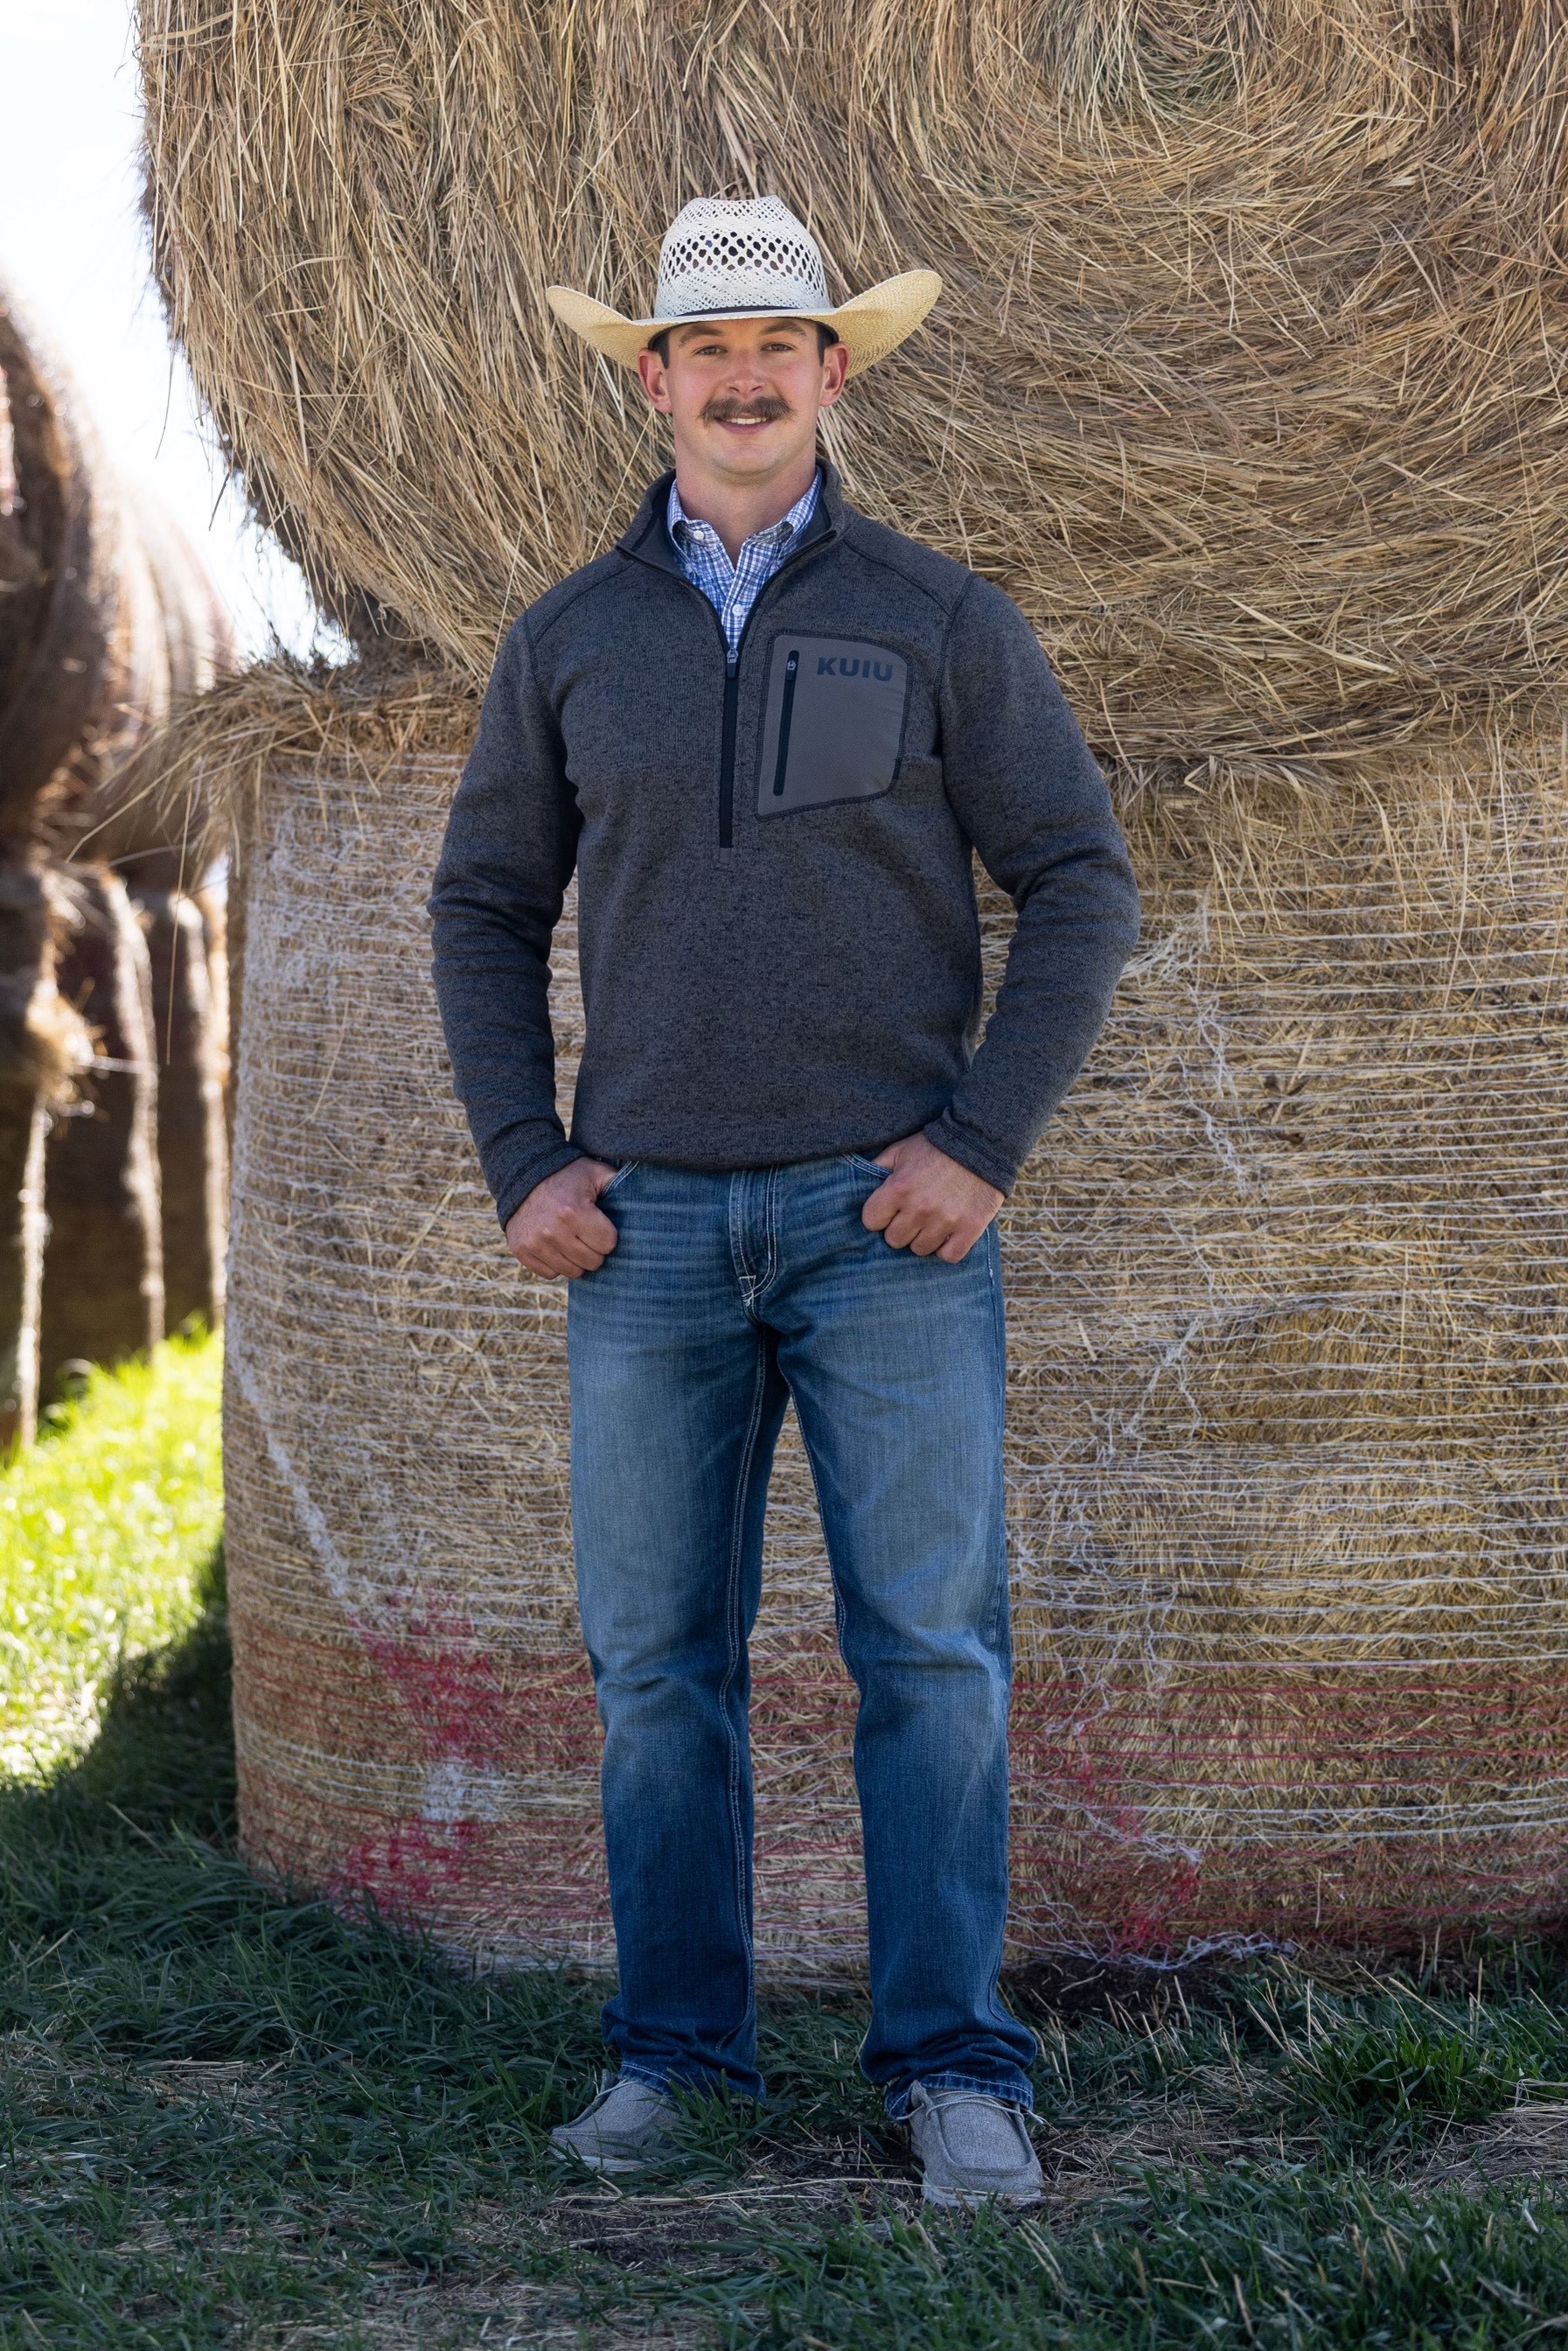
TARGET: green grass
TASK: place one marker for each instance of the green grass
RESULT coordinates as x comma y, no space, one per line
228,2117
103,1530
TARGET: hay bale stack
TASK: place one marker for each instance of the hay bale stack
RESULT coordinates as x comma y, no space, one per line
189,1047
108,622
1288,1405
103,1273
1243,383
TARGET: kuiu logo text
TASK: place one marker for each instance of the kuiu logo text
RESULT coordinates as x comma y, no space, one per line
839,665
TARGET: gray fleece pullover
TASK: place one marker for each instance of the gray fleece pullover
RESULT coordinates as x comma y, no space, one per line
780,949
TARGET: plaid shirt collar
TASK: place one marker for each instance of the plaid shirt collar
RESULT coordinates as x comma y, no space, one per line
732,588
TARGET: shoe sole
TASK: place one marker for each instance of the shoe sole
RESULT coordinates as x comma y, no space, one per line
962,2200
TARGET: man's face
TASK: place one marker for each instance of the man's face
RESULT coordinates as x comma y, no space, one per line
744,394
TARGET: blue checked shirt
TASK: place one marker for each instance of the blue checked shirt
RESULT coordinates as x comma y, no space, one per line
732,588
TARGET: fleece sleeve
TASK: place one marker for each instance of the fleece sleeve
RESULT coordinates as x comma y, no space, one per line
1025,788
510,846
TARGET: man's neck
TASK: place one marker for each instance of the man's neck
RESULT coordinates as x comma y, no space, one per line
739,510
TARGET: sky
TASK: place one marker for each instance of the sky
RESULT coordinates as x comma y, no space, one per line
71,245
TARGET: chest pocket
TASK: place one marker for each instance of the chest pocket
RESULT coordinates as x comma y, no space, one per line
832,726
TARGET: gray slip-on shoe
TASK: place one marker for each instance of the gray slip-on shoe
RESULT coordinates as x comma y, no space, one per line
627,2129
971,2147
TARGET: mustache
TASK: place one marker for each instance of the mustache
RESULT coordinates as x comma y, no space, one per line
767,406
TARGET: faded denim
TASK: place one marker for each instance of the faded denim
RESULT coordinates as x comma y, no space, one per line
726,1295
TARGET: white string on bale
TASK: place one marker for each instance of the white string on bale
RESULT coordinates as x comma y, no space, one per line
1289,1403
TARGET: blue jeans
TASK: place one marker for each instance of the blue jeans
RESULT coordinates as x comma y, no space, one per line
725,1296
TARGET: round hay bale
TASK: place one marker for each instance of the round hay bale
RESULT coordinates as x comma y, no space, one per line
107,621
1287,1413
1244,382
103,1274
43,1046
188,1046
172,643
57,554
223,967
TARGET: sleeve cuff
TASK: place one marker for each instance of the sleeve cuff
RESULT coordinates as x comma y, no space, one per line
512,1194
972,1151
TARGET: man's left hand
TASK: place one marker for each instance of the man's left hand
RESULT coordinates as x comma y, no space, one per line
929,1204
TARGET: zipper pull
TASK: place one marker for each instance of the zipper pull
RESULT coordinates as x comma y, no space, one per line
786,709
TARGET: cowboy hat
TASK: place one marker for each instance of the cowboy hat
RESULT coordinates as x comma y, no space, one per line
724,260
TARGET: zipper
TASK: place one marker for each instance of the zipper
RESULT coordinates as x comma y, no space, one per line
786,713
732,675
727,754
732,691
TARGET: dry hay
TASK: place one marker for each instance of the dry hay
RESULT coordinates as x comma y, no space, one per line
43,1048
108,622
1287,1452
166,641
189,1047
1525,2145
56,570
1245,383
103,1271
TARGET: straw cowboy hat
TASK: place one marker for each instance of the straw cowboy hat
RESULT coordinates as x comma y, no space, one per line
723,260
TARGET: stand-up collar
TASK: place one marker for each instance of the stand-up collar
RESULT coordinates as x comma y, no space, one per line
648,539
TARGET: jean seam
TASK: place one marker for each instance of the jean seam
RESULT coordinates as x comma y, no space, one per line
770,1230
650,2078
1002,1612
737,1257
736,1647
1001,1626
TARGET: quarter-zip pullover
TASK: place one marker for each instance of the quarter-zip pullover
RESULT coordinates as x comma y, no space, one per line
776,924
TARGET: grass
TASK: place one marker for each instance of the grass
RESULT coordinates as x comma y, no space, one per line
227,2117
102,1531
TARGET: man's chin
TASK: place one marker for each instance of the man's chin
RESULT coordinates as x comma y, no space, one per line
744,455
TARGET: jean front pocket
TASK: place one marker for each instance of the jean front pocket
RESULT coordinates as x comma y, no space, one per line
860,1165
627,1167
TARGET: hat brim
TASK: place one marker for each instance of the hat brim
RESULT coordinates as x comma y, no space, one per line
869,324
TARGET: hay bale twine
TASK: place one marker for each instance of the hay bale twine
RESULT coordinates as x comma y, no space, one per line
1287,1410
1244,380
189,1047
103,1274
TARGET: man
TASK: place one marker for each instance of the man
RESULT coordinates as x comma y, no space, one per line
768,733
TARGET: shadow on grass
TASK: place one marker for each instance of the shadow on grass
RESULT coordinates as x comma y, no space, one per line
165,1755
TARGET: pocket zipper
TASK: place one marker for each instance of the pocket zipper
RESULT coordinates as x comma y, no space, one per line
786,710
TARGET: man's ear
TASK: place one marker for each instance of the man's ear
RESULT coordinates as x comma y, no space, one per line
835,368
656,379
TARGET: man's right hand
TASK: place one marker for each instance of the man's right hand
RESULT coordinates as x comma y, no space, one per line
560,1231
